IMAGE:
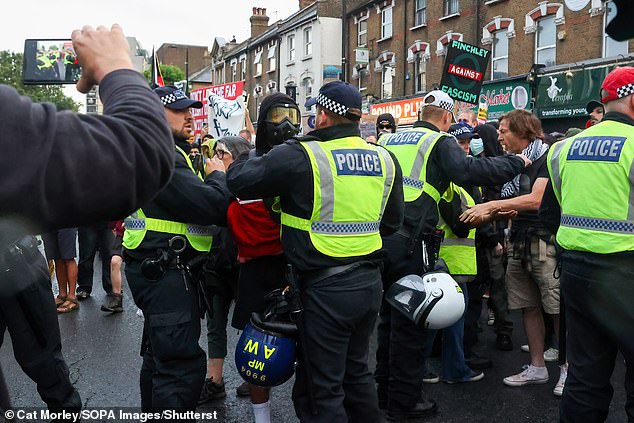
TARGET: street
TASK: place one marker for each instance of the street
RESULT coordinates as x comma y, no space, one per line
102,352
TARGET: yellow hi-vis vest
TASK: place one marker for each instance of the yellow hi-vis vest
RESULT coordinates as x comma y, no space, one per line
137,225
352,181
593,179
459,253
412,148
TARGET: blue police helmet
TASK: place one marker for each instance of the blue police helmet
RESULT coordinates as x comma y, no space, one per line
265,357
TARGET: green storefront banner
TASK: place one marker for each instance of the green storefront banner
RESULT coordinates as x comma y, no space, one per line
565,94
502,97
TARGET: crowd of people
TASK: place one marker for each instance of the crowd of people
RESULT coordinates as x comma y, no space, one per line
341,220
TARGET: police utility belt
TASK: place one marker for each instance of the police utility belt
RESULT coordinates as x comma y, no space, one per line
154,267
25,247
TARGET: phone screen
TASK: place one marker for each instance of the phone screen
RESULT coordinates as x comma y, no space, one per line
50,62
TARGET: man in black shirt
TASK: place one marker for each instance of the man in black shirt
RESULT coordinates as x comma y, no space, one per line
529,276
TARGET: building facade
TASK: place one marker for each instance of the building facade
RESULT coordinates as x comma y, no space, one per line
396,48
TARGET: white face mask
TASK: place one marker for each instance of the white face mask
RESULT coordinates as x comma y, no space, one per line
477,146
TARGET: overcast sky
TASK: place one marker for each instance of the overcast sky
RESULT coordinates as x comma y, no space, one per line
152,22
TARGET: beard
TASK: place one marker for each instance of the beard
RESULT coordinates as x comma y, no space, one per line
181,136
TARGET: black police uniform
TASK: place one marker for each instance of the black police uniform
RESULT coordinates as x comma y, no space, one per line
173,368
597,290
401,344
339,310
60,192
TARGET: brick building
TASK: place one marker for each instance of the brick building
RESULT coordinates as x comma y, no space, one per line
190,59
396,48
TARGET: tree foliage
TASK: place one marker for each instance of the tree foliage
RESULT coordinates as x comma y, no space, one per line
11,74
171,74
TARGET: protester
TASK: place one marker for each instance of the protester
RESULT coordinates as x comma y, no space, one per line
60,247
595,110
588,204
255,226
75,154
385,124
114,299
529,276
92,238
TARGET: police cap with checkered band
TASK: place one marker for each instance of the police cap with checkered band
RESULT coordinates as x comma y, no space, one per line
175,99
340,98
439,99
618,84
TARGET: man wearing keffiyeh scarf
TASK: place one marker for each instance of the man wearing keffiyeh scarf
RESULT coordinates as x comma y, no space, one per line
533,151
531,255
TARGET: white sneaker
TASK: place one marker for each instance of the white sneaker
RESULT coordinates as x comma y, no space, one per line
491,318
563,374
525,348
551,354
530,376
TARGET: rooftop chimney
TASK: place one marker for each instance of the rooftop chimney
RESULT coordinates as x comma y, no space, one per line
259,21
305,3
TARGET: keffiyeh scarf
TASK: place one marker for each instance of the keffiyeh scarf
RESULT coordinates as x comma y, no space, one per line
533,151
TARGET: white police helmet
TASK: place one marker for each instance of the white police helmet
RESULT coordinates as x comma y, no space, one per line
433,301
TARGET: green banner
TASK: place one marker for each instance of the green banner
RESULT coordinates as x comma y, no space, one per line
502,97
565,94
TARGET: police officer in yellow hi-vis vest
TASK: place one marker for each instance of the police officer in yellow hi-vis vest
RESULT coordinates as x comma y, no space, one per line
161,239
338,195
430,159
589,203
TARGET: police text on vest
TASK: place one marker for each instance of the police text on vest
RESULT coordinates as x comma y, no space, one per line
357,162
598,148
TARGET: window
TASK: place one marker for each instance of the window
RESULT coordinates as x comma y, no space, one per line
234,71
420,73
387,77
362,37
420,17
308,42
611,47
500,56
271,56
545,41
362,73
450,7
291,91
386,22
291,48
307,86
243,68
258,63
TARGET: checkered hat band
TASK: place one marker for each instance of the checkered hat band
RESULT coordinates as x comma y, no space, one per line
172,97
331,105
625,90
445,105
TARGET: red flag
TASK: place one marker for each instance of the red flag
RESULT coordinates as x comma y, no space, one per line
157,78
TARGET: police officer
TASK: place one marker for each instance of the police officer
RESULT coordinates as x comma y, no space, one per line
73,154
588,203
430,160
338,195
161,240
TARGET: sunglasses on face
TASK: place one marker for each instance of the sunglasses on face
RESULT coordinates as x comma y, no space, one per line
388,126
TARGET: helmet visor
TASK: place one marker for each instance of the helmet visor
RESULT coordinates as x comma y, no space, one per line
278,113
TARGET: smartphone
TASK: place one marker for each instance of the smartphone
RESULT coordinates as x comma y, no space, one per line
49,61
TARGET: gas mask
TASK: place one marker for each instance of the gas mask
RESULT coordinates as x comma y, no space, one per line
282,123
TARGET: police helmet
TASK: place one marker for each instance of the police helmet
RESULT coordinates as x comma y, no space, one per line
265,354
433,301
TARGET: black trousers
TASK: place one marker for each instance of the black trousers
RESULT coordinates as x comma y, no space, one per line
93,238
401,344
27,310
173,369
599,290
338,318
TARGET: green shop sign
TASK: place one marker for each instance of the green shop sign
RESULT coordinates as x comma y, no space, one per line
565,94
502,97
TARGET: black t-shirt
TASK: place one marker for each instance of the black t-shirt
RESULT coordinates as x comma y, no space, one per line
529,220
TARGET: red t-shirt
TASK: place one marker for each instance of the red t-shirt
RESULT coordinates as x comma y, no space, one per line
254,231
